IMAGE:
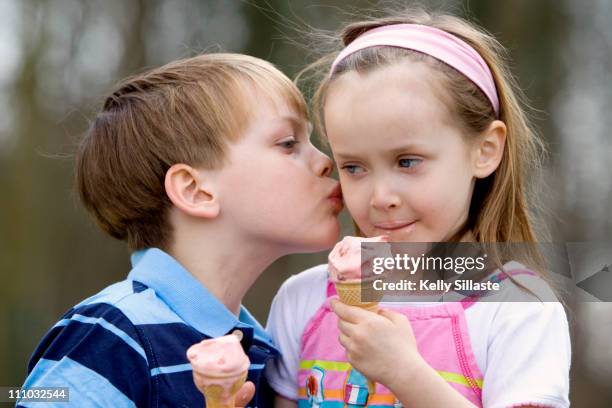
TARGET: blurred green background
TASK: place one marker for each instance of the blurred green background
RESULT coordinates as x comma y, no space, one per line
58,58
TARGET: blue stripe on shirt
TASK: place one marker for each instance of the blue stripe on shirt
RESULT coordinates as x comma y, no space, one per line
156,312
114,314
101,347
108,326
69,373
110,295
109,313
171,369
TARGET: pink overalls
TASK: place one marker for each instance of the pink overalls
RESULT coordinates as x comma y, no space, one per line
327,380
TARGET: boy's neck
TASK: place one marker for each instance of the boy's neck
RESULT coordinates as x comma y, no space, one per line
226,267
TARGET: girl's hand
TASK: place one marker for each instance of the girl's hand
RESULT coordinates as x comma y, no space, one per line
383,348
379,345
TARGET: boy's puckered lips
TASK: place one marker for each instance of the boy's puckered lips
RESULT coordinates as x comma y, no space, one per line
335,196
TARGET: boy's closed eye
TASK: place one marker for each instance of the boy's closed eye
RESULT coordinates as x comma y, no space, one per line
289,143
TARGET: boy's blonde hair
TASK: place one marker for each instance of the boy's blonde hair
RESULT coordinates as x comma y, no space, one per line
185,112
499,210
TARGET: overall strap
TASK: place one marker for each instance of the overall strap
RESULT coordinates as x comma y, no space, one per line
468,301
498,277
503,275
331,289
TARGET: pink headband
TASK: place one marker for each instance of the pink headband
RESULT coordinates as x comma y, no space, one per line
434,42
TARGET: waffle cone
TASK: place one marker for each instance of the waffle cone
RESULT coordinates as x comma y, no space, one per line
350,294
217,397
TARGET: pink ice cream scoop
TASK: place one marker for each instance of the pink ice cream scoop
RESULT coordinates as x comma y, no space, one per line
219,367
346,261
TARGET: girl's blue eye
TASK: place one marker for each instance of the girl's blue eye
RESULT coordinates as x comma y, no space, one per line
353,169
409,163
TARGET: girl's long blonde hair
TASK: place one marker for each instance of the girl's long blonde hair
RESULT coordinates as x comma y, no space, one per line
502,203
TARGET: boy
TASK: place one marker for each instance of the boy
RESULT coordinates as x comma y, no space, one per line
204,166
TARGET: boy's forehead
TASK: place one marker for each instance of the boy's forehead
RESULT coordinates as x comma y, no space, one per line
276,106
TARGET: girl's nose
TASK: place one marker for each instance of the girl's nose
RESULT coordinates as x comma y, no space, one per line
384,199
323,165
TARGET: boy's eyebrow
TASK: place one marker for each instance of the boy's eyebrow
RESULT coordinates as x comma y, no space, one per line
295,121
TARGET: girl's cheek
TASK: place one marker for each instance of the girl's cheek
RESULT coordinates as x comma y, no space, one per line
348,192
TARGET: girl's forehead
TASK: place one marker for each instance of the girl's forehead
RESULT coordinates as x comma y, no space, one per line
392,100
395,110
409,90
414,75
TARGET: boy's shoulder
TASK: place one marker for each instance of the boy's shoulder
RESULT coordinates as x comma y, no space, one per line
137,303
110,317
127,322
84,346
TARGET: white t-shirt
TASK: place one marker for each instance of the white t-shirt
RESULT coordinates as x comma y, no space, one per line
522,348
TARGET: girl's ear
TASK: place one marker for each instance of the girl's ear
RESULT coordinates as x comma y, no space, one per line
191,191
489,149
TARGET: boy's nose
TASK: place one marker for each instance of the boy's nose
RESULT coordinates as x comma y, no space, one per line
323,165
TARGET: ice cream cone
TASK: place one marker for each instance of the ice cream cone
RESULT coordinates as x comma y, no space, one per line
217,394
220,368
349,293
346,269
349,273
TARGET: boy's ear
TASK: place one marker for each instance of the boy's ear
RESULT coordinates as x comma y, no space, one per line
489,149
190,192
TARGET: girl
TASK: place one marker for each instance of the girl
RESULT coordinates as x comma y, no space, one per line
432,145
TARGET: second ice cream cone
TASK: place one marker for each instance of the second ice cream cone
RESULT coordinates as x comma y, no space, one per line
220,368
218,395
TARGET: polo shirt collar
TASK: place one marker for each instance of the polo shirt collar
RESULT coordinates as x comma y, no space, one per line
187,297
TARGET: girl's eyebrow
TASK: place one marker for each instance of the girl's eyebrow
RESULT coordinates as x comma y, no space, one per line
344,156
389,152
407,147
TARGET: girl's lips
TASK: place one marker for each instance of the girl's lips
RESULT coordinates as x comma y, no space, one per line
393,225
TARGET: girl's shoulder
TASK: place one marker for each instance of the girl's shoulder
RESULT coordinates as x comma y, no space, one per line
524,299
518,283
305,290
525,303
315,276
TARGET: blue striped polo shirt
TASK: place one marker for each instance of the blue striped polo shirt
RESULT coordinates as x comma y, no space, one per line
126,346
